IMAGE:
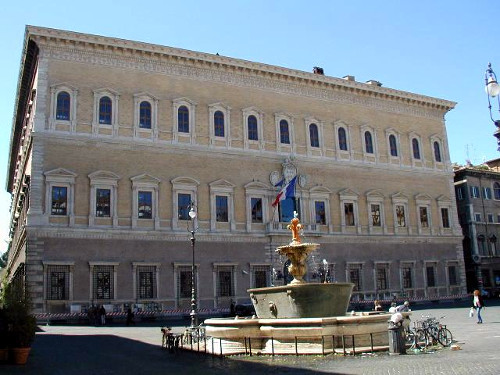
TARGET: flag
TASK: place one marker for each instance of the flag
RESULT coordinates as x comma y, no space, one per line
287,191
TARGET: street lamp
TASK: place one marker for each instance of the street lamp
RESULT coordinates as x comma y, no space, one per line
193,313
492,89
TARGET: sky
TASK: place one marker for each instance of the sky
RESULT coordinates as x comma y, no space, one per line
434,48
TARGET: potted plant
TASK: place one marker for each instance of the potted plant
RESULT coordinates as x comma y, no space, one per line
21,325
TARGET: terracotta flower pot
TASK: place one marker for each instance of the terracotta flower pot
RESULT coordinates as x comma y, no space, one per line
20,355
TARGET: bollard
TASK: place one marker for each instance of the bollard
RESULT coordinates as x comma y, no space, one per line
396,339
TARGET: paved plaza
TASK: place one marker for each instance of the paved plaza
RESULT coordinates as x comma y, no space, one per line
72,350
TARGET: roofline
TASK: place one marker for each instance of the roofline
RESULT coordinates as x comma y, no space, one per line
241,64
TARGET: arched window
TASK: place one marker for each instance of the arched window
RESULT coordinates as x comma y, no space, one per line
63,106
481,244
342,139
145,115
393,146
493,245
105,110
219,124
253,134
437,152
183,119
284,132
496,190
416,148
368,143
313,135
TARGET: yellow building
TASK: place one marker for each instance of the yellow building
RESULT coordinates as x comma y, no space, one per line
113,142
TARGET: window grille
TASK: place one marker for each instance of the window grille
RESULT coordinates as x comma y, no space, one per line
225,286
261,276
431,279
381,278
184,282
146,285
355,278
452,275
407,277
57,282
221,208
103,282
284,132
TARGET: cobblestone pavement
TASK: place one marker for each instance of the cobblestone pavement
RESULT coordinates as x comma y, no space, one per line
74,350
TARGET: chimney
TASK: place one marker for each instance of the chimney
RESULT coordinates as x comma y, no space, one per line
318,70
374,83
349,78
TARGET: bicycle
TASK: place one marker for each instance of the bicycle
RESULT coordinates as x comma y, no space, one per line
435,332
193,335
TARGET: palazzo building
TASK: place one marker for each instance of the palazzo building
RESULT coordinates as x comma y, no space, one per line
113,142
478,203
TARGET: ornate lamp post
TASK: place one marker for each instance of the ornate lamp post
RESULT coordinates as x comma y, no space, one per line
193,313
493,90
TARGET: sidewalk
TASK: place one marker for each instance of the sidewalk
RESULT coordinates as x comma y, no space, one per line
73,350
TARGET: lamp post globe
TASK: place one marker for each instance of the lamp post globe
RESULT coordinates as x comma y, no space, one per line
492,89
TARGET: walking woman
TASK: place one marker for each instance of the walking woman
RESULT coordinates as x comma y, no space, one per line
478,304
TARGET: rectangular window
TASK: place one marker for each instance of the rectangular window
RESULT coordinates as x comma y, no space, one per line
445,217
452,275
59,200
287,207
400,215
225,281
460,195
256,210
375,212
146,286
485,273
145,204
431,281
58,282
184,282
381,275
490,218
477,217
349,214
355,278
424,220
183,206
407,277
498,218
103,282
260,276
474,192
221,209
487,193
103,202
319,209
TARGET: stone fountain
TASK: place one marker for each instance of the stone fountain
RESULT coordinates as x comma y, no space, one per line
301,317
300,299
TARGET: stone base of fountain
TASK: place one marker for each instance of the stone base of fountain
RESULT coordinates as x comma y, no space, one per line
342,334
312,300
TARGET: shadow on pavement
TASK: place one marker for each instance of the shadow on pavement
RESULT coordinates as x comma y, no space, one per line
108,354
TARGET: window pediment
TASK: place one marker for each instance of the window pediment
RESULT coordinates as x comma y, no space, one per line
399,197
61,173
184,100
106,90
184,181
221,184
348,194
374,194
104,175
320,190
145,179
63,86
256,185
145,95
423,198
443,199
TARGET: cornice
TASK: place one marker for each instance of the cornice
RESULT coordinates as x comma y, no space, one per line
86,48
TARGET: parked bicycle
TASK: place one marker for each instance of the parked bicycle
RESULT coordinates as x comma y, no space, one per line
428,331
194,335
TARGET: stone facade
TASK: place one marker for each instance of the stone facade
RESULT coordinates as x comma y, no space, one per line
478,203
113,139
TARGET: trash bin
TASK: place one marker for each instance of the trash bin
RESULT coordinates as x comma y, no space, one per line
396,338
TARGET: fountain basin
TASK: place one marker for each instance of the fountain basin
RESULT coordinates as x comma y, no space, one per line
314,300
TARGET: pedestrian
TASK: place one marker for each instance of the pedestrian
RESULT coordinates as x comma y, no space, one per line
405,307
377,306
130,317
102,315
478,304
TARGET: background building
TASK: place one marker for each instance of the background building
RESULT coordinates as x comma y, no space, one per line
478,203
113,140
